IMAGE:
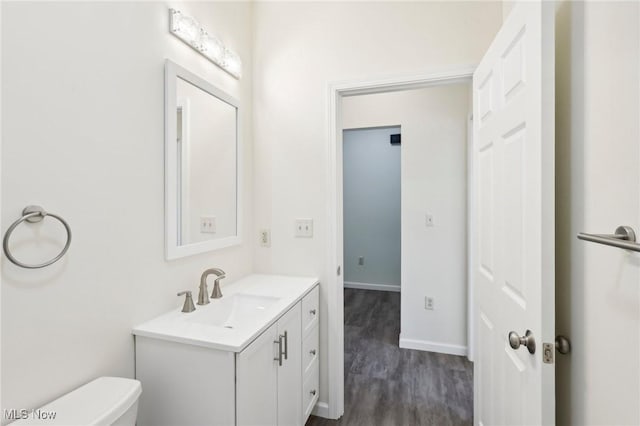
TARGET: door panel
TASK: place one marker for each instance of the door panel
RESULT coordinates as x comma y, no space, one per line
485,210
514,381
256,381
514,215
290,373
513,266
483,371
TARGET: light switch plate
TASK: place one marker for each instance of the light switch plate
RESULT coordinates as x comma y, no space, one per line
208,224
304,228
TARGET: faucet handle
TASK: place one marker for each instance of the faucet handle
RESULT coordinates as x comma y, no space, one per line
188,301
217,293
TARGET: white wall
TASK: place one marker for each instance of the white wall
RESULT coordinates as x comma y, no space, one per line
371,182
597,189
300,47
434,181
83,114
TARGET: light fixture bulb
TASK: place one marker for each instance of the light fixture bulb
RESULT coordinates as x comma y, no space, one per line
212,47
189,29
232,63
185,27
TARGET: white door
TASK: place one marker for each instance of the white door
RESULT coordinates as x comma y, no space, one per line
513,106
290,372
257,381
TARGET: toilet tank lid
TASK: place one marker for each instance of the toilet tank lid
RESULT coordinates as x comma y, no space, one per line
99,402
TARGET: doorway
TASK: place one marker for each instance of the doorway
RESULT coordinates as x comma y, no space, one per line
334,407
415,226
371,188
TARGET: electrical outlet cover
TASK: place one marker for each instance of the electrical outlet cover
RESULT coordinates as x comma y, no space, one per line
265,238
429,303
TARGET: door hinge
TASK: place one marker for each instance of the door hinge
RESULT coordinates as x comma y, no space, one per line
547,353
339,270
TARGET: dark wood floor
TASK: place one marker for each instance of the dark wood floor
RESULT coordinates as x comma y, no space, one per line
389,386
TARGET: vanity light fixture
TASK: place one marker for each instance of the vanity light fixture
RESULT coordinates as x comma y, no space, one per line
191,32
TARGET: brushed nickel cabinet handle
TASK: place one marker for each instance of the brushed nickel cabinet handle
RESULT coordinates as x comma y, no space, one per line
286,345
279,358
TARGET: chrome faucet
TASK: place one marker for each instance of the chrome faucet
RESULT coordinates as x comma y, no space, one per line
203,297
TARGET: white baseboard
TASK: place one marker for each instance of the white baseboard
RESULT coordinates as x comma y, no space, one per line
367,286
425,345
321,409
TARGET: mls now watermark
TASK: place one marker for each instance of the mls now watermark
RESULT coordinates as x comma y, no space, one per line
24,414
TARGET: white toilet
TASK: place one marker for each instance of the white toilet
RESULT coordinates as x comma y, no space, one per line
104,401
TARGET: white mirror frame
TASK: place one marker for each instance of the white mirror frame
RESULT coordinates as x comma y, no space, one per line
173,249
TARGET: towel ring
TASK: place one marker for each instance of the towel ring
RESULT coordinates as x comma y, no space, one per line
34,214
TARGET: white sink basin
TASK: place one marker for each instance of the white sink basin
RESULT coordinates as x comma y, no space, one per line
249,306
232,311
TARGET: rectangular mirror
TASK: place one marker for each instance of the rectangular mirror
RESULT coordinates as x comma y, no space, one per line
202,151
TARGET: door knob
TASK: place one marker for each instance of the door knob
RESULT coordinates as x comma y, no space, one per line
515,341
563,345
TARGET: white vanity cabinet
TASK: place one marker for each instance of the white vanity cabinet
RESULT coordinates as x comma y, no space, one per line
281,389
268,377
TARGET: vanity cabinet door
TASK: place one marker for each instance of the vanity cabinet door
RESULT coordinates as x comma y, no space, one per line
290,372
257,381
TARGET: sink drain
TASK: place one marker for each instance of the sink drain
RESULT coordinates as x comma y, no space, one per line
228,326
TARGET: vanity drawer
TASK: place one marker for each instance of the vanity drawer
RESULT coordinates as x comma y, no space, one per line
310,311
310,391
310,350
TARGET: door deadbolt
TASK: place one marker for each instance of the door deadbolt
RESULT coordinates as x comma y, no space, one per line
515,341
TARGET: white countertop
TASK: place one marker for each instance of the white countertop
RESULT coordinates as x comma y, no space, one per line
176,325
